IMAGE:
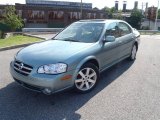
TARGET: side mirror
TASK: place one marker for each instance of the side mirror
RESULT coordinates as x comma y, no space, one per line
109,39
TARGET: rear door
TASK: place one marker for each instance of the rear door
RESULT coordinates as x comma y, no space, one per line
126,39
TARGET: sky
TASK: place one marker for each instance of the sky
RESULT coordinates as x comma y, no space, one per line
97,3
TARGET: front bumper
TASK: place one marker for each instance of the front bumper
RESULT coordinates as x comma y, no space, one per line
40,82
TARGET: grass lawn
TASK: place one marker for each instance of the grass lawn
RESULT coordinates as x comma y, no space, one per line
17,40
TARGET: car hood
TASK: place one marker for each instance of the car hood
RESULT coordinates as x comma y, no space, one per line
51,51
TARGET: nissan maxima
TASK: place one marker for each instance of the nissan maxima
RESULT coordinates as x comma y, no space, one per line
75,57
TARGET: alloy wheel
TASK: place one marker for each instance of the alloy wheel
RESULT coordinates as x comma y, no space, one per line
86,79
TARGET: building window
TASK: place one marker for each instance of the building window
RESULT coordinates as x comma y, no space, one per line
19,13
101,16
91,15
74,15
35,15
55,15
94,15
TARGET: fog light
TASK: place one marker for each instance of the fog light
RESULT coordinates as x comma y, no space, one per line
47,91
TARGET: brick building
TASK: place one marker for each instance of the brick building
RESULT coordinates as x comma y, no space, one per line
50,14
151,13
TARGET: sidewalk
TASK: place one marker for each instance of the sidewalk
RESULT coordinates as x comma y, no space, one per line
42,36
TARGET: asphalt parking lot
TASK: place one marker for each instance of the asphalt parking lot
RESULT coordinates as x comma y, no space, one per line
127,91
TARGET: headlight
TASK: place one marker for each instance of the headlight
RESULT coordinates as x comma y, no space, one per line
53,68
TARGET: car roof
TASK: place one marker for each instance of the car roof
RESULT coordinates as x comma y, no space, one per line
101,20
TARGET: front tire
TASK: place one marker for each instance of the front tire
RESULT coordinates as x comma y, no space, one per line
133,53
86,78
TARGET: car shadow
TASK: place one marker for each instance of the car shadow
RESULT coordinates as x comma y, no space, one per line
18,103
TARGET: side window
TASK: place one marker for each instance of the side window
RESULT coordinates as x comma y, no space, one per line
112,30
124,29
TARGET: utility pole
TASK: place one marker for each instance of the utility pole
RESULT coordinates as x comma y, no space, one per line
142,8
142,13
155,28
81,10
143,5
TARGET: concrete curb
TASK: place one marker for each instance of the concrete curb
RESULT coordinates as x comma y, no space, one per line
30,35
18,46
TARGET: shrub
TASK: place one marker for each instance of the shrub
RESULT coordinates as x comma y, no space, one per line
0,34
145,28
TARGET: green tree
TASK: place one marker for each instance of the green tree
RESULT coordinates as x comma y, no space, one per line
109,11
113,10
135,19
159,14
118,15
11,19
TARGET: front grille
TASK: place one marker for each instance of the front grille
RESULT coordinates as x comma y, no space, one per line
22,68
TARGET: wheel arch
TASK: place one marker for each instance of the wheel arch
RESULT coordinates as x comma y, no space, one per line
89,59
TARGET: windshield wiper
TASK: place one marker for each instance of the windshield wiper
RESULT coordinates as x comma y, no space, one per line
71,40
67,39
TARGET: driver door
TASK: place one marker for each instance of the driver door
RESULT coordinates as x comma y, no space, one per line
110,51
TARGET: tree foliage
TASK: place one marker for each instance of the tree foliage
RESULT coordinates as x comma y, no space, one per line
159,14
11,19
112,13
109,11
113,10
118,15
135,19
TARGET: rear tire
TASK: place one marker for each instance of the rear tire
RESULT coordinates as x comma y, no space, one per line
87,78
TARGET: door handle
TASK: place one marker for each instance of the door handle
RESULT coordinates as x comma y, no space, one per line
120,41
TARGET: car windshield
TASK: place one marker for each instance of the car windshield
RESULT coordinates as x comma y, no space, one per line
81,32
